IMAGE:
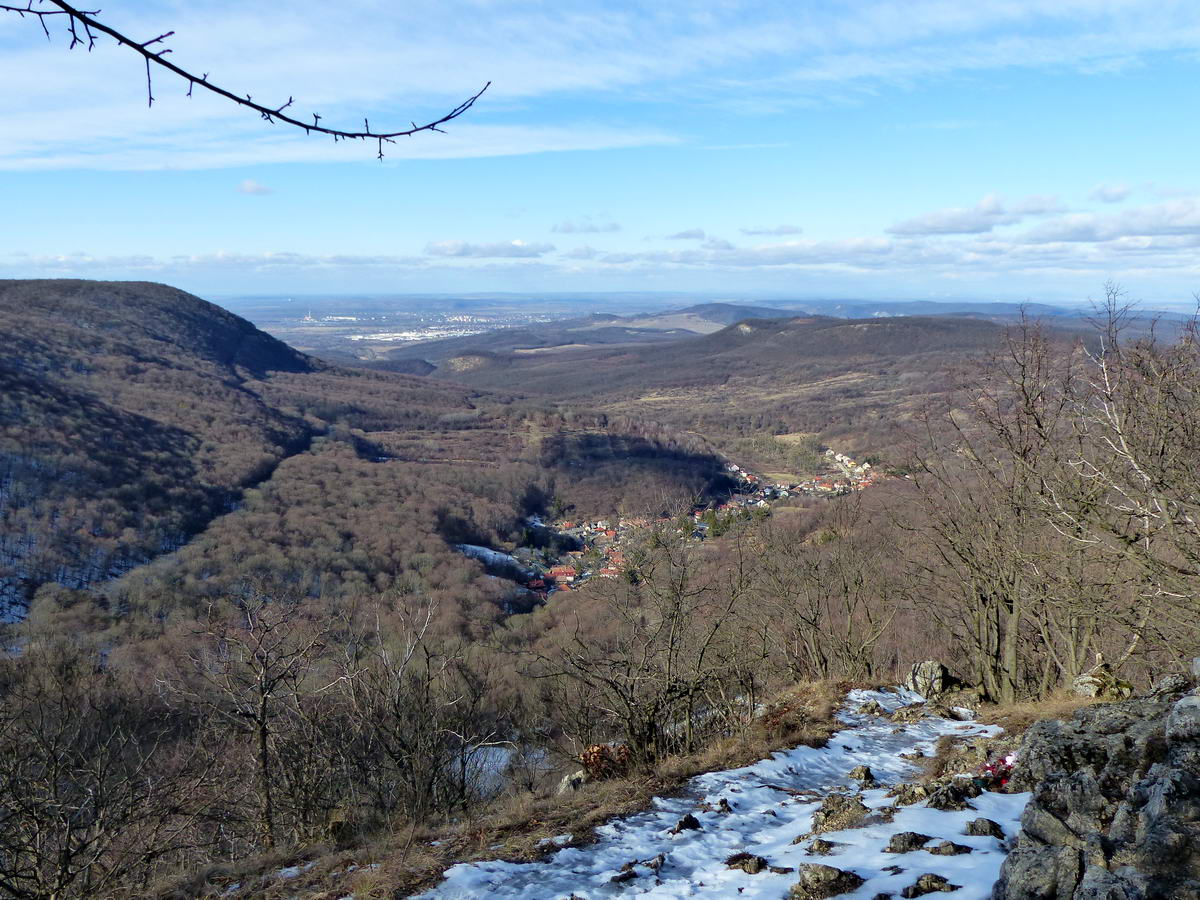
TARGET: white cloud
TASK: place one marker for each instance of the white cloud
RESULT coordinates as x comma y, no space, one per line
586,225
776,230
584,252
689,234
990,212
250,186
1109,193
503,249
1176,217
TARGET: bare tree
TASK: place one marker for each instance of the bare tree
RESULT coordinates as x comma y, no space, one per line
659,657
822,603
95,788
254,664
83,28
424,733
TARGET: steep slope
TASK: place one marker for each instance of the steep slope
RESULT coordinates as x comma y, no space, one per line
125,424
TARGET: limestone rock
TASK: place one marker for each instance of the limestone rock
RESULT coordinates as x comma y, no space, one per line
1101,683
572,782
687,823
1115,811
819,882
839,811
952,796
822,847
864,776
912,713
1171,684
929,679
927,884
747,862
907,841
982,827
907,794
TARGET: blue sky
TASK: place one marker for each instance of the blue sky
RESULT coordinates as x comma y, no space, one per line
1004,150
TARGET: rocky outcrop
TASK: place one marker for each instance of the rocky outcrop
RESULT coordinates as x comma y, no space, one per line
818,882
1101,683
1115,811
930,679
572,781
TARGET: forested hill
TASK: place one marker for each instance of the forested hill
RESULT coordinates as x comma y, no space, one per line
134,415
125,424
853,383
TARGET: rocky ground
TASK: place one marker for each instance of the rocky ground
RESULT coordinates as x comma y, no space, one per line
846,820
1115,808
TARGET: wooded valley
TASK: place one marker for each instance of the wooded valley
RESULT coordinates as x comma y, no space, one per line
238,622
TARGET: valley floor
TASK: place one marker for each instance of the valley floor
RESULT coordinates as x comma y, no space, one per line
772,803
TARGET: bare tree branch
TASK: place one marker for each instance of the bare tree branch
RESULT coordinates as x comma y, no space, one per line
83,28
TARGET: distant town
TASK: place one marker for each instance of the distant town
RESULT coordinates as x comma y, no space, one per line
602,547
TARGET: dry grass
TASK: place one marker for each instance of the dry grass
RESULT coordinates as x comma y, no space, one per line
413,857
1015,718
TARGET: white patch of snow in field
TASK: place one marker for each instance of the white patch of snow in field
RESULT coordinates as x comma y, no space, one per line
293,871
559,840
764,822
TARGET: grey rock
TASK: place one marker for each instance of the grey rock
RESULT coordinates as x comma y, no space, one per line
930,679
1183,722
949,848
907,841
982,827
952,797
1115,809
1171,684
687,823
822,847
928,883
818,882
907,794
1102,683
864,776
572,782
747,862
840,811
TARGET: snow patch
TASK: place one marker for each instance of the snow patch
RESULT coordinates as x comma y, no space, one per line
768,813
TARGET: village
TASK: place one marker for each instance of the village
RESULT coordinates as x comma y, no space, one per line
600,548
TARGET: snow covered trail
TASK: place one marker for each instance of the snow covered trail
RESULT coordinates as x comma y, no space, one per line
764,821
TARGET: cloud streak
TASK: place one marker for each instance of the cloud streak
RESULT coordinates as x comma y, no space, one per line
586,225
986,215
252,187
499,250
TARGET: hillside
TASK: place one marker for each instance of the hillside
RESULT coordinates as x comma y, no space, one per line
807,380
128,422
564,335
136,416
